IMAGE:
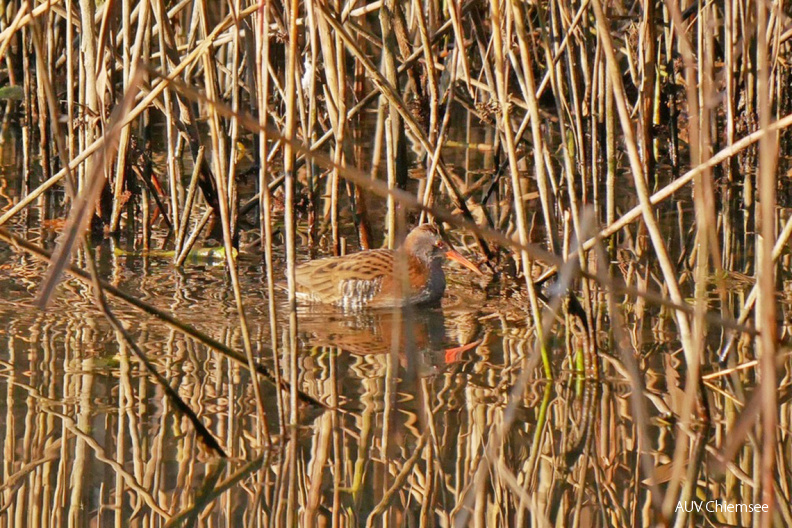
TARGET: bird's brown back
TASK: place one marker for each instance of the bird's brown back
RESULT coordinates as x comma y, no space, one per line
365,279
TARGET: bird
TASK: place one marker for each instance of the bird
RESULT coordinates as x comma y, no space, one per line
375,278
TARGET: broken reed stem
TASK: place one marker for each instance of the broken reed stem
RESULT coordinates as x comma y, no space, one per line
188,205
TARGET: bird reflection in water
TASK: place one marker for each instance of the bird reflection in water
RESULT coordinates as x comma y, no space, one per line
419,337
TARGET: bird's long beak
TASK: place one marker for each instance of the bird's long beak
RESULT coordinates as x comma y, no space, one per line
453,255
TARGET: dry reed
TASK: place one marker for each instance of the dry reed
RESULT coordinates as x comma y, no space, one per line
641,173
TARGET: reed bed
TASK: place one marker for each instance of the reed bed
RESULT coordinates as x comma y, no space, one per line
618,169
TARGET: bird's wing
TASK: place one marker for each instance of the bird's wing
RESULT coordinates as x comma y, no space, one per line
340,280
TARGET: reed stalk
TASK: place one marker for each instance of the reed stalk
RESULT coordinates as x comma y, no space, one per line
532,124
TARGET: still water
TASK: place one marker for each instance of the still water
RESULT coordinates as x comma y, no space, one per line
430,417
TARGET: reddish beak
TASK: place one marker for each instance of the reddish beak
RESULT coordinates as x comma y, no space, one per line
453,255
